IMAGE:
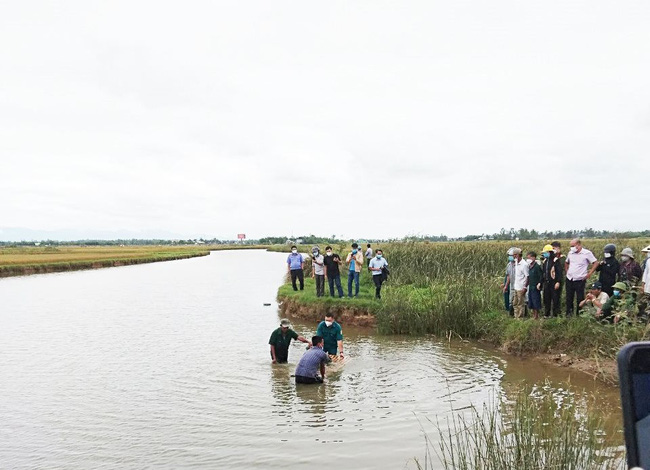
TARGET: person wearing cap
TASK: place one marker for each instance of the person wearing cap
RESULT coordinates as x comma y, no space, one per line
595,298
281,340
332,333
616,306
312,362
608,268
521,282
508,285
318,270
295,266
578,270
552,279
630,270
354,261
535,275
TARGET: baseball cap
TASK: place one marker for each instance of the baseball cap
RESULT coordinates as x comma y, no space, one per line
285,322
597,285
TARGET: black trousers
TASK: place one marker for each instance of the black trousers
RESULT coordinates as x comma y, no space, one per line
297,274
320,285
378,280
308,380
574,289
552,299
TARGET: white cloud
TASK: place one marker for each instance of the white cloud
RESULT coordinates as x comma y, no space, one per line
365,119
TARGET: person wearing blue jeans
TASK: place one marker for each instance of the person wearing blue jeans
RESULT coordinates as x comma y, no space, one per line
355,263
332,273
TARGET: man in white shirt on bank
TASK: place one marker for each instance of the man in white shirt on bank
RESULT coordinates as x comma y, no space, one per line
577,272
521,283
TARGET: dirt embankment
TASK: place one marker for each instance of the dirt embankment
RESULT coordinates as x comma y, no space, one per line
44,268
316,312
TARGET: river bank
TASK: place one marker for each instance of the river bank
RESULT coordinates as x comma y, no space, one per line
581,343
22,261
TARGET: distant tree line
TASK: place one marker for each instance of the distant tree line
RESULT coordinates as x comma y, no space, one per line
503,234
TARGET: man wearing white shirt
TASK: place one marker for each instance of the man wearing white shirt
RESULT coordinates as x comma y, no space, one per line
521,282
577,271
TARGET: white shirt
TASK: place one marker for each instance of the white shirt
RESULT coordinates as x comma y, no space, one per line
646,277
319,269
521,274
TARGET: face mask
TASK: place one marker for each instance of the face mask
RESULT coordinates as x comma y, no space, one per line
511,258
315,252
555,250
647,255
608,255
354,252
546,255
294,251
329,253
617,293
531,261
625,258
573,249
328,323
378,256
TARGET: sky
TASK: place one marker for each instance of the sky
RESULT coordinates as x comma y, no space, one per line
374,119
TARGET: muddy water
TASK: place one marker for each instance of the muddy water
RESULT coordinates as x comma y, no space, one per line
167,366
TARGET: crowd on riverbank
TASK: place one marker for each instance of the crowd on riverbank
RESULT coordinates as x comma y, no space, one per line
622,290
328,267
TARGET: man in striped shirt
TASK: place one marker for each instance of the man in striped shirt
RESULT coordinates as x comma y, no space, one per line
311,362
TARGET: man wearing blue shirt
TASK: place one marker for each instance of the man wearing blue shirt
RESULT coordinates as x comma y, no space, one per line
376,266
332,334
311,362
295,265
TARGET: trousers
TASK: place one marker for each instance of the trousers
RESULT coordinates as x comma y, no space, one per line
320,285
331,280
552,299
518,303
574,289
378,279
353,275
297,274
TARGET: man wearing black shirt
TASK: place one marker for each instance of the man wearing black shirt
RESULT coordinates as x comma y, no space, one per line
608,269
332,273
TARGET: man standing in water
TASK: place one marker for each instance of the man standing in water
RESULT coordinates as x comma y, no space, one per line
376,266
332,334
355,262
281,340
295,266
311,363
318,271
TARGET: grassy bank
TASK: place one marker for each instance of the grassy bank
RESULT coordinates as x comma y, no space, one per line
17,261
453,289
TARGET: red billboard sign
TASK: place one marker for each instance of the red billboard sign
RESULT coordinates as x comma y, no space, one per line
241,236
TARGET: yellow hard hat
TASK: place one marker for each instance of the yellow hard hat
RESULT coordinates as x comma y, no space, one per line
547,248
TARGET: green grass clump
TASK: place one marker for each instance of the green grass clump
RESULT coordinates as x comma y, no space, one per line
541,428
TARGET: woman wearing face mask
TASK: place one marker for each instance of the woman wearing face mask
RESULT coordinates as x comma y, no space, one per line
630,271
608,269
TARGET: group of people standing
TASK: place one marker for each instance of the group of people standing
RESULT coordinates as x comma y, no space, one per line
325,346
529,281
328,267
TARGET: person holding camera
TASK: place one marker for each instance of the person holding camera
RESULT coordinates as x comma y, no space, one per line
318,271
332,274
354,261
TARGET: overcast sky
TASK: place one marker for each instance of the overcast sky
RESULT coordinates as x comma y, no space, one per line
360,119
